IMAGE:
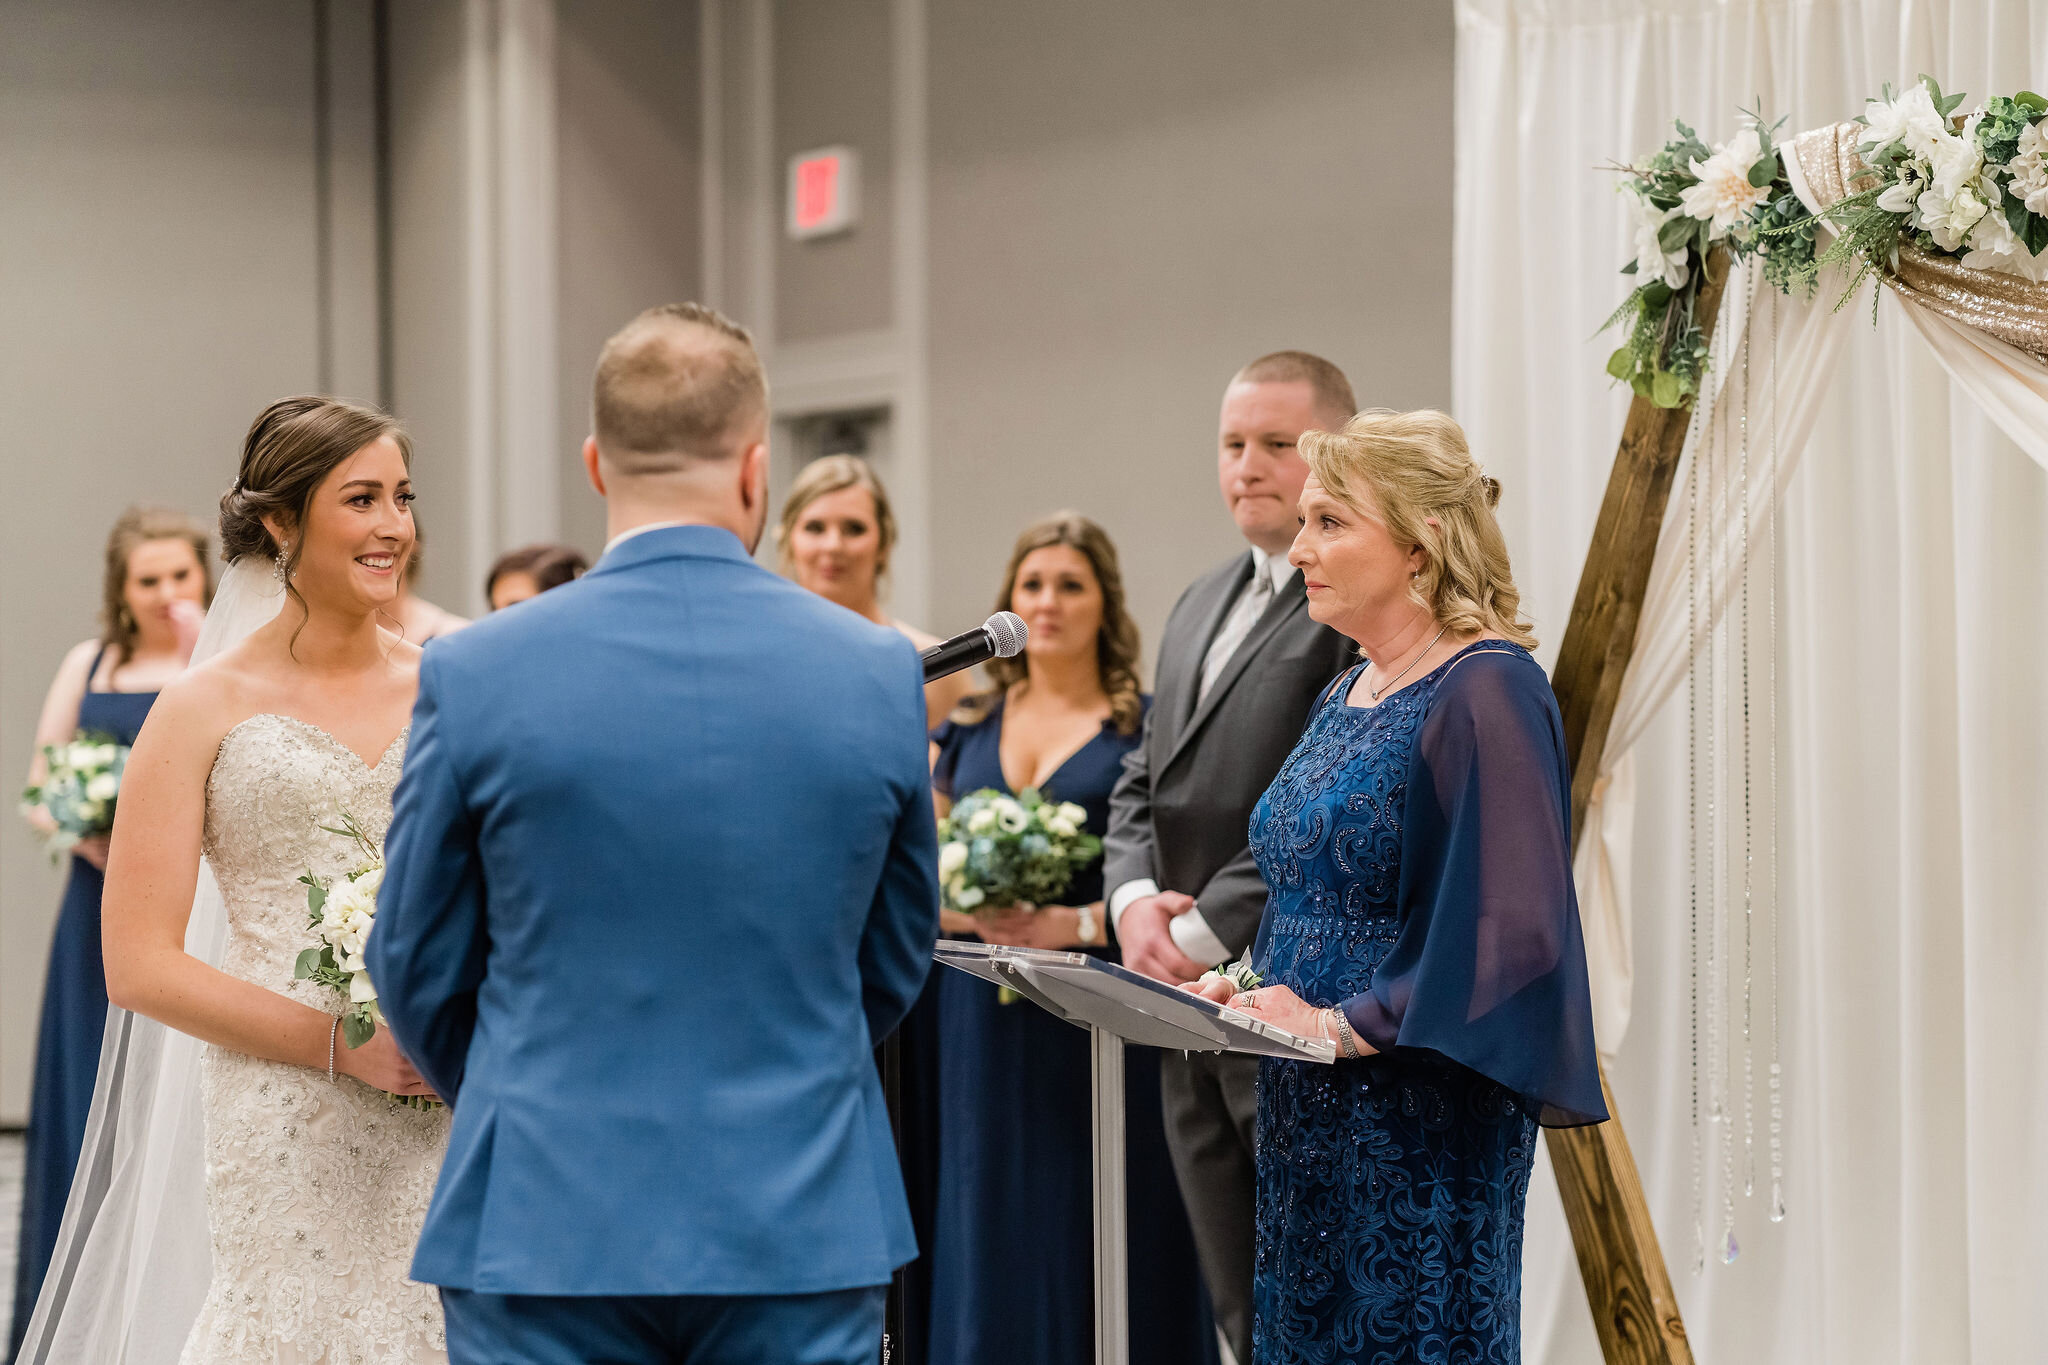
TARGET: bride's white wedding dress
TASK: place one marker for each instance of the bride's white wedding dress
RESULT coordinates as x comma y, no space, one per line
315,1190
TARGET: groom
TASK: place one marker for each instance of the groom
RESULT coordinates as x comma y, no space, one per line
662,871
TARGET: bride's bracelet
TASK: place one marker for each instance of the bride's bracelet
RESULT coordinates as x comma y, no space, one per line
332,1030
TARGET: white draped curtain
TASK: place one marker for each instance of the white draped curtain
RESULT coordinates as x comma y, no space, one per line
1912,648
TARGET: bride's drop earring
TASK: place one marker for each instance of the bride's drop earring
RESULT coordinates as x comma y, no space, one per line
277,568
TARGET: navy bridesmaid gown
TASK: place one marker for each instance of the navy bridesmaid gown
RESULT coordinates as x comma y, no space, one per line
1010,1261
68,1041
1418,872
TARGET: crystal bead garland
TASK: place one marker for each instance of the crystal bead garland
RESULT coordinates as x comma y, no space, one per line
1777,1070
1748,824
1696,440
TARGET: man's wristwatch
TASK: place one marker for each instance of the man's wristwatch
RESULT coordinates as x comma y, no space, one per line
1087,926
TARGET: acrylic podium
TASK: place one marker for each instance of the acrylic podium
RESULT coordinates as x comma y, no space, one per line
1119,1007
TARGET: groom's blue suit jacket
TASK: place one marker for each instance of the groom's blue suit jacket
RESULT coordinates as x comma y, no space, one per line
662,872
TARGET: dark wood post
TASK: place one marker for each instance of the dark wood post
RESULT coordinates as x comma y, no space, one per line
1627,1284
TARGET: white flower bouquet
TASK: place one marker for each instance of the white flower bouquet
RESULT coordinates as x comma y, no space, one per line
80,789
997,851
343,911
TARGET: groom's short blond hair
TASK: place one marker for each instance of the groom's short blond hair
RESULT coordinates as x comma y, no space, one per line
678,384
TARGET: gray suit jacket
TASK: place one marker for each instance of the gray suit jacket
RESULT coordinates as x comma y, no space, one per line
1182,810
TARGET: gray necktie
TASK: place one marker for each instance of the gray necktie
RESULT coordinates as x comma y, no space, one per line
1251,604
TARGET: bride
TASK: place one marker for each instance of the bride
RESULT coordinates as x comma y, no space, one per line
315,1180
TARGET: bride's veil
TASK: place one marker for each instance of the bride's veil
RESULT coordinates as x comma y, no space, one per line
133,1258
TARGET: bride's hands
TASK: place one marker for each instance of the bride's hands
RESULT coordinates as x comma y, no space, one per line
380,1065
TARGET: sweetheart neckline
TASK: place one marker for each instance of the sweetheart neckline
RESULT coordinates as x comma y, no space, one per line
327,735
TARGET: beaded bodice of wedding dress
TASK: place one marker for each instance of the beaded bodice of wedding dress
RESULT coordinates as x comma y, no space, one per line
315,1190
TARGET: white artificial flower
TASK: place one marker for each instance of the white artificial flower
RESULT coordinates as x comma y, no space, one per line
1013,818
1653,262
1949,221
79,755
952,857
1903,194
1956,161
1994,246
360,990
2029,168
1072,814
1911,119
982,821
352,963
1724,196
369,881
970,898
102,787
103,755
1061,827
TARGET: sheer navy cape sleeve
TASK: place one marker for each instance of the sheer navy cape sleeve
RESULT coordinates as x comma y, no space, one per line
1489,969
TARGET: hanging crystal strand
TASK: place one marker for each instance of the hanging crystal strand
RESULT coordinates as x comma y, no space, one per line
1738,652
1748,843
1777,1071
1717,997
1696,441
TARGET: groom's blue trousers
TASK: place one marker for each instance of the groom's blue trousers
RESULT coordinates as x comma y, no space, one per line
840,1328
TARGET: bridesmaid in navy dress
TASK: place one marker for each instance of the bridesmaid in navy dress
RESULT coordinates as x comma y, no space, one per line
1011,1255
157,583
1420,915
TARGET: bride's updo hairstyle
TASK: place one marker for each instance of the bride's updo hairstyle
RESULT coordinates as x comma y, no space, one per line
291,448
1425,486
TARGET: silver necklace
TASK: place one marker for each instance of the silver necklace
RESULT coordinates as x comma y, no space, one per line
1376,692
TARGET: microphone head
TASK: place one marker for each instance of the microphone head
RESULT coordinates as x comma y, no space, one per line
1007,632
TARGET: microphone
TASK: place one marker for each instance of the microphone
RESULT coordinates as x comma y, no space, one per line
999,637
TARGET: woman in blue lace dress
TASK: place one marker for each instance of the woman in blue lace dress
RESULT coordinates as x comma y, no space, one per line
1420,916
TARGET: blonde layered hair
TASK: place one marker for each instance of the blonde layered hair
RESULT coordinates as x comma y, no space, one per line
1422,482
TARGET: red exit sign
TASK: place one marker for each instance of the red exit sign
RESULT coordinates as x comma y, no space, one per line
824,191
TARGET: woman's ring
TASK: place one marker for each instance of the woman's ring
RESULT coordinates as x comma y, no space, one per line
1243,1000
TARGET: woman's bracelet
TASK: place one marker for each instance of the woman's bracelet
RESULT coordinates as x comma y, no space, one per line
1346,1043
332,1030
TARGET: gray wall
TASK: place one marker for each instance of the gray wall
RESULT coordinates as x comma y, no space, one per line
627,160
159,262
1127,202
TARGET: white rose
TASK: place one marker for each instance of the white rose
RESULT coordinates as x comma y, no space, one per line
970,898
370,881
982,821
1911,119
952,857
360,990
1957,161
103,787
1073,814
1064,828
353,962
79,755
1724,196
1949,221
1653,262
1994,246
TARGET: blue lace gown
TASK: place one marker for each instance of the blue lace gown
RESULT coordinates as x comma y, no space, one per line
1419,878
1010,1263
68,1041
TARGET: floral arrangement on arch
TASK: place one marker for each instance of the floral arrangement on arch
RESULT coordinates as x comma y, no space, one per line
1973,189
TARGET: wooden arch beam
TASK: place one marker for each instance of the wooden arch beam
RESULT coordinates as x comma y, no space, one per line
1627,1284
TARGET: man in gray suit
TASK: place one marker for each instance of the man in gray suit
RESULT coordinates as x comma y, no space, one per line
1240,665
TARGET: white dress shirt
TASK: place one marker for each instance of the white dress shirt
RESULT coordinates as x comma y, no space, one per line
1270,576
632,531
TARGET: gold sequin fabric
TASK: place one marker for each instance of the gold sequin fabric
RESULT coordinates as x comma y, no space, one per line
2012,309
